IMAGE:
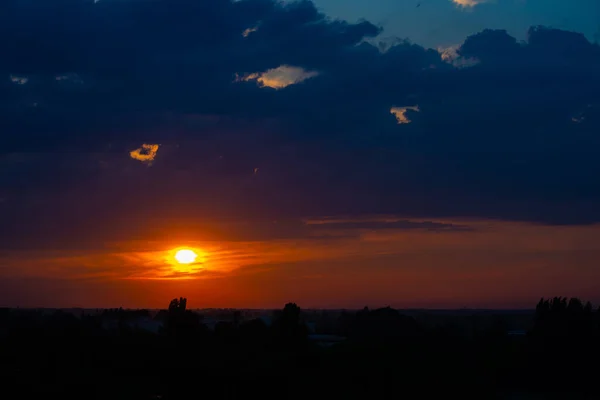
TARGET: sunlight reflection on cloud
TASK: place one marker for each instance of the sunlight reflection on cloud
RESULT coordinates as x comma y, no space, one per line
145,154
248,31
469,3
400,113
451,56
280,77
19,80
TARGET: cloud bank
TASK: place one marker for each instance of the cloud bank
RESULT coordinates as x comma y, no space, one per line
228,86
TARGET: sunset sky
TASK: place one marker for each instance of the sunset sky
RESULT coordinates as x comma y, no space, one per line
335,153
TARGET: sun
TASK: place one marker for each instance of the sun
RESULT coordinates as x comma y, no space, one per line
185,256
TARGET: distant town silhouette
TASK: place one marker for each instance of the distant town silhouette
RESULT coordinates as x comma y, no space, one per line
177,353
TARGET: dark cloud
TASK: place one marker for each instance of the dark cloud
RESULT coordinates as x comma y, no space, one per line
378,224
83,84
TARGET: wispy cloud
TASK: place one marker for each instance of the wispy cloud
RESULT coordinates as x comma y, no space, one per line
386,222
19,80
280,77
248,31
73,78
401,113
469,3
452,56
146,153
327,239
406,261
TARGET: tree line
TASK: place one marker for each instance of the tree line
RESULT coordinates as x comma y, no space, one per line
385,354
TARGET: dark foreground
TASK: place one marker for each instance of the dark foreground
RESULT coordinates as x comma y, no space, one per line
382,355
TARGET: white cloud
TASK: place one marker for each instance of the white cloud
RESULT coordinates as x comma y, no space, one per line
249,31
19,80
581,115
280,77
469,3
74,78
451,56
400,113
146,153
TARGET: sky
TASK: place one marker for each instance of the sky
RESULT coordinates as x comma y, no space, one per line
436,23
337,154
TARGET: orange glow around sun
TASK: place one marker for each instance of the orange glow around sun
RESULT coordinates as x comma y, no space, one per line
185,256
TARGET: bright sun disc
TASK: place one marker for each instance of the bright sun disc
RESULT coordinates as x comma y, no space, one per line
185,256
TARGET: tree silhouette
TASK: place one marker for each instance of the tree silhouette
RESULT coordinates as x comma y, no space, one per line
288,328
383,324
565,332
389,350
178,305
561,318
180,321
